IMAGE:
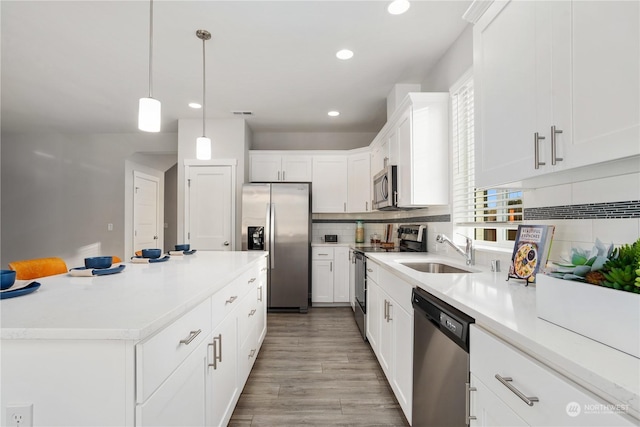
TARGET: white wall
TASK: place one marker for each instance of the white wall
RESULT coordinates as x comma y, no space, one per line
59,192
453,64
311,140
229,140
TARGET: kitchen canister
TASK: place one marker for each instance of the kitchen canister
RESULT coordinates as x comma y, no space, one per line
359,232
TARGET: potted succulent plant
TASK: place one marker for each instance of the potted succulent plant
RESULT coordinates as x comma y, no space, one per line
617,268
583,295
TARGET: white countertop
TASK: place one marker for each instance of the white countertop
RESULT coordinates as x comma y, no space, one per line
323,244
508,309
130,305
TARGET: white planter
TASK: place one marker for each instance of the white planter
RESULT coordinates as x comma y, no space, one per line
606,315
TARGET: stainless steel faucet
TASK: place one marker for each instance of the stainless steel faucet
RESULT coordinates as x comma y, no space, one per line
467,252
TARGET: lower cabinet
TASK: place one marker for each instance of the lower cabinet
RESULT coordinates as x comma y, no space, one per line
511,388
390,331
330,275
205,374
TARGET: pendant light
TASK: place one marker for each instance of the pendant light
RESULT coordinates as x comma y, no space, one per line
203,144
149,108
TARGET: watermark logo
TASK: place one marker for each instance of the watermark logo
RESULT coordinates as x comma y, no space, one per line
573,409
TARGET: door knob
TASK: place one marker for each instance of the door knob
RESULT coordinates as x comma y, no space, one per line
226,243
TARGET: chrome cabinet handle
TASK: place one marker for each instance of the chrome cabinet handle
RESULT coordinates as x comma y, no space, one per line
323,254
231,300
253,279
506,380
366,206
263,269
395,198
554,132
389,305
369,270
252,312
191,337
283,176
386,308
467,404
217,351
278,175
536,150
330,265
345,206
260,295
253,352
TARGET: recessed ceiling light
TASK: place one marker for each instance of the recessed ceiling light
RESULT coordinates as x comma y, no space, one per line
195,105
344,54
398,7
334,113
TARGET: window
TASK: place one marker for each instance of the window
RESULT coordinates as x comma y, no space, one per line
488,215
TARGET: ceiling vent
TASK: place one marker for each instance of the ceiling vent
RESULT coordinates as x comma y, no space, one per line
242,113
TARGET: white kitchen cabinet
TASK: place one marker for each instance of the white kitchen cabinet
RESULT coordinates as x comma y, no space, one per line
487,410
330,275
225,380
553,400
182,399
278,167
359,182
390,331
379,153
330,177
535,74
421,124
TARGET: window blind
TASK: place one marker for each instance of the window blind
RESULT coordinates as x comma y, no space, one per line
491,208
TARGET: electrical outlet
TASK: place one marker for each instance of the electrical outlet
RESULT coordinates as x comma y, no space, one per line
20,415
109,227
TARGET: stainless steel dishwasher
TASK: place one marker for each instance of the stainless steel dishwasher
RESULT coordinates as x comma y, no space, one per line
440,362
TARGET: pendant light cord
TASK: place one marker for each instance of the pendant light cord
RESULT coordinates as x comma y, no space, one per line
204,89
150,48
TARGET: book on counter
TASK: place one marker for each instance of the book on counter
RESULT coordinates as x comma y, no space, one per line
530,251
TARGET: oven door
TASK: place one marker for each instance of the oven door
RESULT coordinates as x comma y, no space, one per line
384,189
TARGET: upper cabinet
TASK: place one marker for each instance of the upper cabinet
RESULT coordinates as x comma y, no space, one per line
359,182
329,184
556,87
276,167
419,127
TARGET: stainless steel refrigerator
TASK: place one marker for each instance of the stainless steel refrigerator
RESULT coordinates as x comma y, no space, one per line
277,218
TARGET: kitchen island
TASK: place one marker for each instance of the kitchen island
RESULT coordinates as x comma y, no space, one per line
138,347
507,310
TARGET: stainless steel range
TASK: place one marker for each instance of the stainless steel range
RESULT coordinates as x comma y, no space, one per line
413,238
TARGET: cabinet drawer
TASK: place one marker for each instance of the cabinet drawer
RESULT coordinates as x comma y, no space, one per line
559,401
160,355
372,270
397,288
321,253
228,298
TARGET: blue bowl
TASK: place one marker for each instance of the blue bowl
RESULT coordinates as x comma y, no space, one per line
7,279
184,247
151,253
98,262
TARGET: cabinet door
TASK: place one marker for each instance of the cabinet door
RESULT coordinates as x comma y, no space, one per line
296,168
600,116
183,398
341,262
403,134
402,382
225,384
385,355
322,281
374,314
506,56
261,290
329,184
359,176
489,410
265,167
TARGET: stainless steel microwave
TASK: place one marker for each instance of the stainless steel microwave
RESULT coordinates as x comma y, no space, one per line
385,191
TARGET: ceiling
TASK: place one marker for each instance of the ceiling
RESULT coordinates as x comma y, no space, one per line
81,66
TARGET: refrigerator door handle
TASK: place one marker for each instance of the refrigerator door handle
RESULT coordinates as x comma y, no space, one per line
272,226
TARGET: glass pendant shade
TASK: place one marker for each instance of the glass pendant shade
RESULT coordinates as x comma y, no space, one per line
203,148
149,115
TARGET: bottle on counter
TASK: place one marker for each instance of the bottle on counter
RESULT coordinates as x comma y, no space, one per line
359,232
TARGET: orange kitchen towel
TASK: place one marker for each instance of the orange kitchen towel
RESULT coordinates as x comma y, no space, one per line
40,267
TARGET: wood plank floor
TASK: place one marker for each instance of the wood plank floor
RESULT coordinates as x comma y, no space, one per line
315,369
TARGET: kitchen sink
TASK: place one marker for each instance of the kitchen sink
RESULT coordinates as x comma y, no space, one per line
434,267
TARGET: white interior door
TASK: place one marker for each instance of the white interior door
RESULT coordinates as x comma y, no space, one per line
209,207
146,212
